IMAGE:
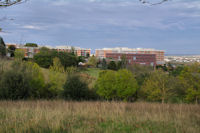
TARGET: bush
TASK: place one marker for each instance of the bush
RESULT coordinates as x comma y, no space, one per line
22,81
75,88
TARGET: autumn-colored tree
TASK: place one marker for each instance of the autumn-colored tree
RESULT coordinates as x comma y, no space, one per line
157,86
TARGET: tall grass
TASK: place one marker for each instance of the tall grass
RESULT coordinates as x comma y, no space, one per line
97,117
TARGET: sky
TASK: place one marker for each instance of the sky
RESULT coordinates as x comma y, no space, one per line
173,26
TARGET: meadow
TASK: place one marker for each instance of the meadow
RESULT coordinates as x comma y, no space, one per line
97,117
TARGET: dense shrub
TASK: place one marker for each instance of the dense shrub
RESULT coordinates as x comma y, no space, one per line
22,81
75,88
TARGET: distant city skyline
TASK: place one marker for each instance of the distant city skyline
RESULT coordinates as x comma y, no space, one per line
173,26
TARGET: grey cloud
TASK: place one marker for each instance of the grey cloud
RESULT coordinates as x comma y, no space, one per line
101,23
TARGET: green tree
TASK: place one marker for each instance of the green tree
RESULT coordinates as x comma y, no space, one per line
87,55
66,59
57,66
44,58
112,65
141,72
36,79
190,80
116,85
22,81
75,88
81,59
157,86
57,77
126,84
177,71
92,61
19,54
106,84
2,48
31,45
104,64
123,63
11,50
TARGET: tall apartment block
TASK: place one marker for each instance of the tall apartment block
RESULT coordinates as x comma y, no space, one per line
159,54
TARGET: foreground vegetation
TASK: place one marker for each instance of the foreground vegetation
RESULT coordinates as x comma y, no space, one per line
97,117
54,74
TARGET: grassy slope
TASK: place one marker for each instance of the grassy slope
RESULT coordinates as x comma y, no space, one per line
94,72
98,117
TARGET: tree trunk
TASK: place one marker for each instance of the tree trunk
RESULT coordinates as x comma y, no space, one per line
163,100
196,100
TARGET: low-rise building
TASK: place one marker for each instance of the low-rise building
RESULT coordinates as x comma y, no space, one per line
142,59
31,51
101,53
77,50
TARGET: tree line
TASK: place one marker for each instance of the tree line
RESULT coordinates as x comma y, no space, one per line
54,75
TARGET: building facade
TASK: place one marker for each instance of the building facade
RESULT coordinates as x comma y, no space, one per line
31,51
77,50
28,51
102,53
142,59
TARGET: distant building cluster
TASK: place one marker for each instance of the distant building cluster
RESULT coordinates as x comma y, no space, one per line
141,56
138,55
182,59
31,51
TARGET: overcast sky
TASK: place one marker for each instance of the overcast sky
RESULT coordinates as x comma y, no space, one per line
173,26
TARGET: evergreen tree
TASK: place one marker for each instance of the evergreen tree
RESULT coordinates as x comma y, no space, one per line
75,88
2,48
112,65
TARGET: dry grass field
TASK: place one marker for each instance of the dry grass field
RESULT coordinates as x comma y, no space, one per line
97,117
